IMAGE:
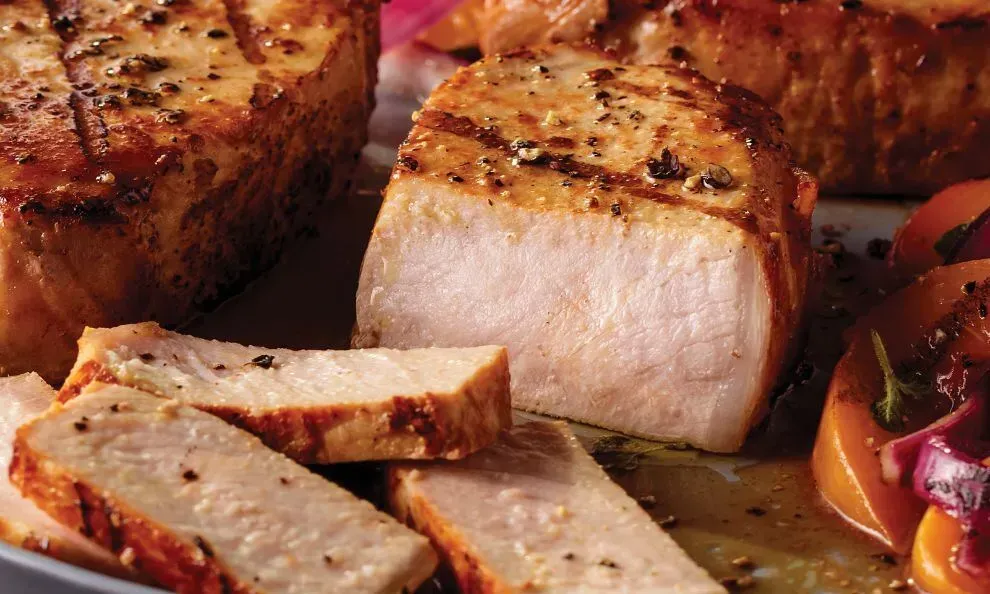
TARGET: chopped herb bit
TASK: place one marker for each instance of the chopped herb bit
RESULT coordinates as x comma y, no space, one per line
263,361
888,411
666,167
947,243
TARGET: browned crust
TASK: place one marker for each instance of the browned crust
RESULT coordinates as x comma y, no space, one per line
472,575
180,566
22,537
427,427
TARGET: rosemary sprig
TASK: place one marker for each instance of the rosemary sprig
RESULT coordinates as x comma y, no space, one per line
888,411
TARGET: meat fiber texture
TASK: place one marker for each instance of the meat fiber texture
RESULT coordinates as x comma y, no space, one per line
203,507
636,235
154,156
552,521
314,406
882,96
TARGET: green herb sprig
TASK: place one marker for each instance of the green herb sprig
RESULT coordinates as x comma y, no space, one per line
889,410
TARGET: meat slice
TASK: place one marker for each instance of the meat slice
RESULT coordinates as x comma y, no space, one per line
21,522
153,155
315,406
553,521
203,507
637,237
882,96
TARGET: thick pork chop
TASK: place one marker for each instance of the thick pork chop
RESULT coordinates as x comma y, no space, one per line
315,406
552,521
152,154
203,507
21,522
637,237
878,96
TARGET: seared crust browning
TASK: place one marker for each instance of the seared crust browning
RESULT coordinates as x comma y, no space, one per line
878,96
151,158
454,549
413,426
152,549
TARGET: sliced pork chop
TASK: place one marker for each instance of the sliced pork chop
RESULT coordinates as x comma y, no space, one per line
552,521
203,507
315,406
155,154
21,522
637,237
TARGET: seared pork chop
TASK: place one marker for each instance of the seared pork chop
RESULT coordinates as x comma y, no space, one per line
152,154
637,237
21,522
203,507
882,96
552,521
315,406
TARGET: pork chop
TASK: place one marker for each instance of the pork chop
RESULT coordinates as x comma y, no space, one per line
881,96
152,154
553,521
21,522
315,406
203,507
637,237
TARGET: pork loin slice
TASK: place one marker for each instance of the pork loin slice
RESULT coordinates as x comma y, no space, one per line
655,292
552,521
315,406
204,507
21,522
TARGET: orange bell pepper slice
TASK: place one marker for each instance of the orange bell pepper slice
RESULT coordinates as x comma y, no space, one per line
913,251
461,29
931,559
845,462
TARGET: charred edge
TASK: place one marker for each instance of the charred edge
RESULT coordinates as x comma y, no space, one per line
463,126
89,372
86,529
421,418
939,336
244,29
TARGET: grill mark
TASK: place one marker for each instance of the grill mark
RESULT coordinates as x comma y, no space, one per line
463,127
89,127
244,31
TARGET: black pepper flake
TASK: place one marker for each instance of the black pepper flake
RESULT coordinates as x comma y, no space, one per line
601,95
520,143
81,425
759,512
170,116
498,183
147,357
190,476
600,74
716,177
328,559
969,287
283,480
591,141
568,556
219,367
678,53
217,34
107,102
541,69
454,178
154,17
114,408
62,23
203,546
408,162
616,209
263,361
608,563
567,183
136,96
666,167
213,76
168,88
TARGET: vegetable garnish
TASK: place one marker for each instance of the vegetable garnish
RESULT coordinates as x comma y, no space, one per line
888,411
402,20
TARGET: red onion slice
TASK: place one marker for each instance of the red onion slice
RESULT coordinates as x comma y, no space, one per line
955,479
899,457
403,20
975,242
973,556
